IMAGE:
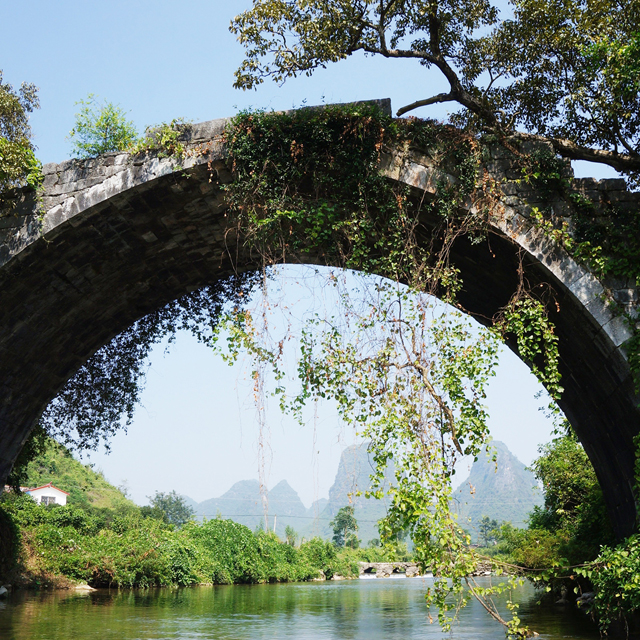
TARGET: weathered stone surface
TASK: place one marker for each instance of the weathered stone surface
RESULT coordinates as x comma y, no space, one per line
484,568
122,236
409,569
387,569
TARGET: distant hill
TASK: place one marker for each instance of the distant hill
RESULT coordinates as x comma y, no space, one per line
85,486
506,492
509,494
317,507
243,503
353,474
286,504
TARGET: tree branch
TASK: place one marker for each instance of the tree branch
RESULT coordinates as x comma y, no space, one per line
441,97
441,403
458,92
620,137
573,151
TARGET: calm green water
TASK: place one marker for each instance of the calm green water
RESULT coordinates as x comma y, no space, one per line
351,610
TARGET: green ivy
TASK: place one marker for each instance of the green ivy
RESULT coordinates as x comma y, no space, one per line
545,171
307,184
608,245
615,575
167,139
537,343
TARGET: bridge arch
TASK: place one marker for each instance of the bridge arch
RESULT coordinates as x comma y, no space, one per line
123,236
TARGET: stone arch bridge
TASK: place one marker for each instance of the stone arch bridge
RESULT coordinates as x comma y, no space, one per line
123,235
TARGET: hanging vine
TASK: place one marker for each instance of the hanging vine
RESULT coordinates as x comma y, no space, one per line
604,239
308,188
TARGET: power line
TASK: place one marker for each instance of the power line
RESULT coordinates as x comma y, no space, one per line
226,516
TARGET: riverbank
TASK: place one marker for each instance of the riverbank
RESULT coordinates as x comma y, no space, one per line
59,547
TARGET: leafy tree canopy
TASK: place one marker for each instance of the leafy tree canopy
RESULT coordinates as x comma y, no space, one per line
564,69
172,507
345,528
18,164
101,127
291,535
488,530
573,501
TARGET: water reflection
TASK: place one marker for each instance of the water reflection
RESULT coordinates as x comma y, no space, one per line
353,610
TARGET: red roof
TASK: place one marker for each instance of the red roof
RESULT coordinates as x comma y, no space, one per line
8,488
46,486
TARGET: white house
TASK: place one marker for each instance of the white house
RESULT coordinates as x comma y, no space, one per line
48,494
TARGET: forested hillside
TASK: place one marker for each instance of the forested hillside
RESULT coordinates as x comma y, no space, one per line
85,486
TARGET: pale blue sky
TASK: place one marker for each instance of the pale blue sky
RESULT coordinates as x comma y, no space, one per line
161,60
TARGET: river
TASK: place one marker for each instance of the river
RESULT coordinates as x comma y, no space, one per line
377,609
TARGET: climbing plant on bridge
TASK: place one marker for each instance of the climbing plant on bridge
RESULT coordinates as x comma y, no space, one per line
411,380
562,69
308,183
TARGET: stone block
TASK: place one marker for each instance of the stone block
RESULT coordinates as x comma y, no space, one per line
509,188
618,331
534,239
585,183
53,218
562,266
424,178
12,222
594,195
50,167
412,571
208,130
567,169
499,152
612,184
50,179
626,296
512,201
529,146
149,236
586,288
513,224
619,197
600,311
495,167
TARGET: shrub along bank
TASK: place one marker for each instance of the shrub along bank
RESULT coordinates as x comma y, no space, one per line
57,546
569,548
